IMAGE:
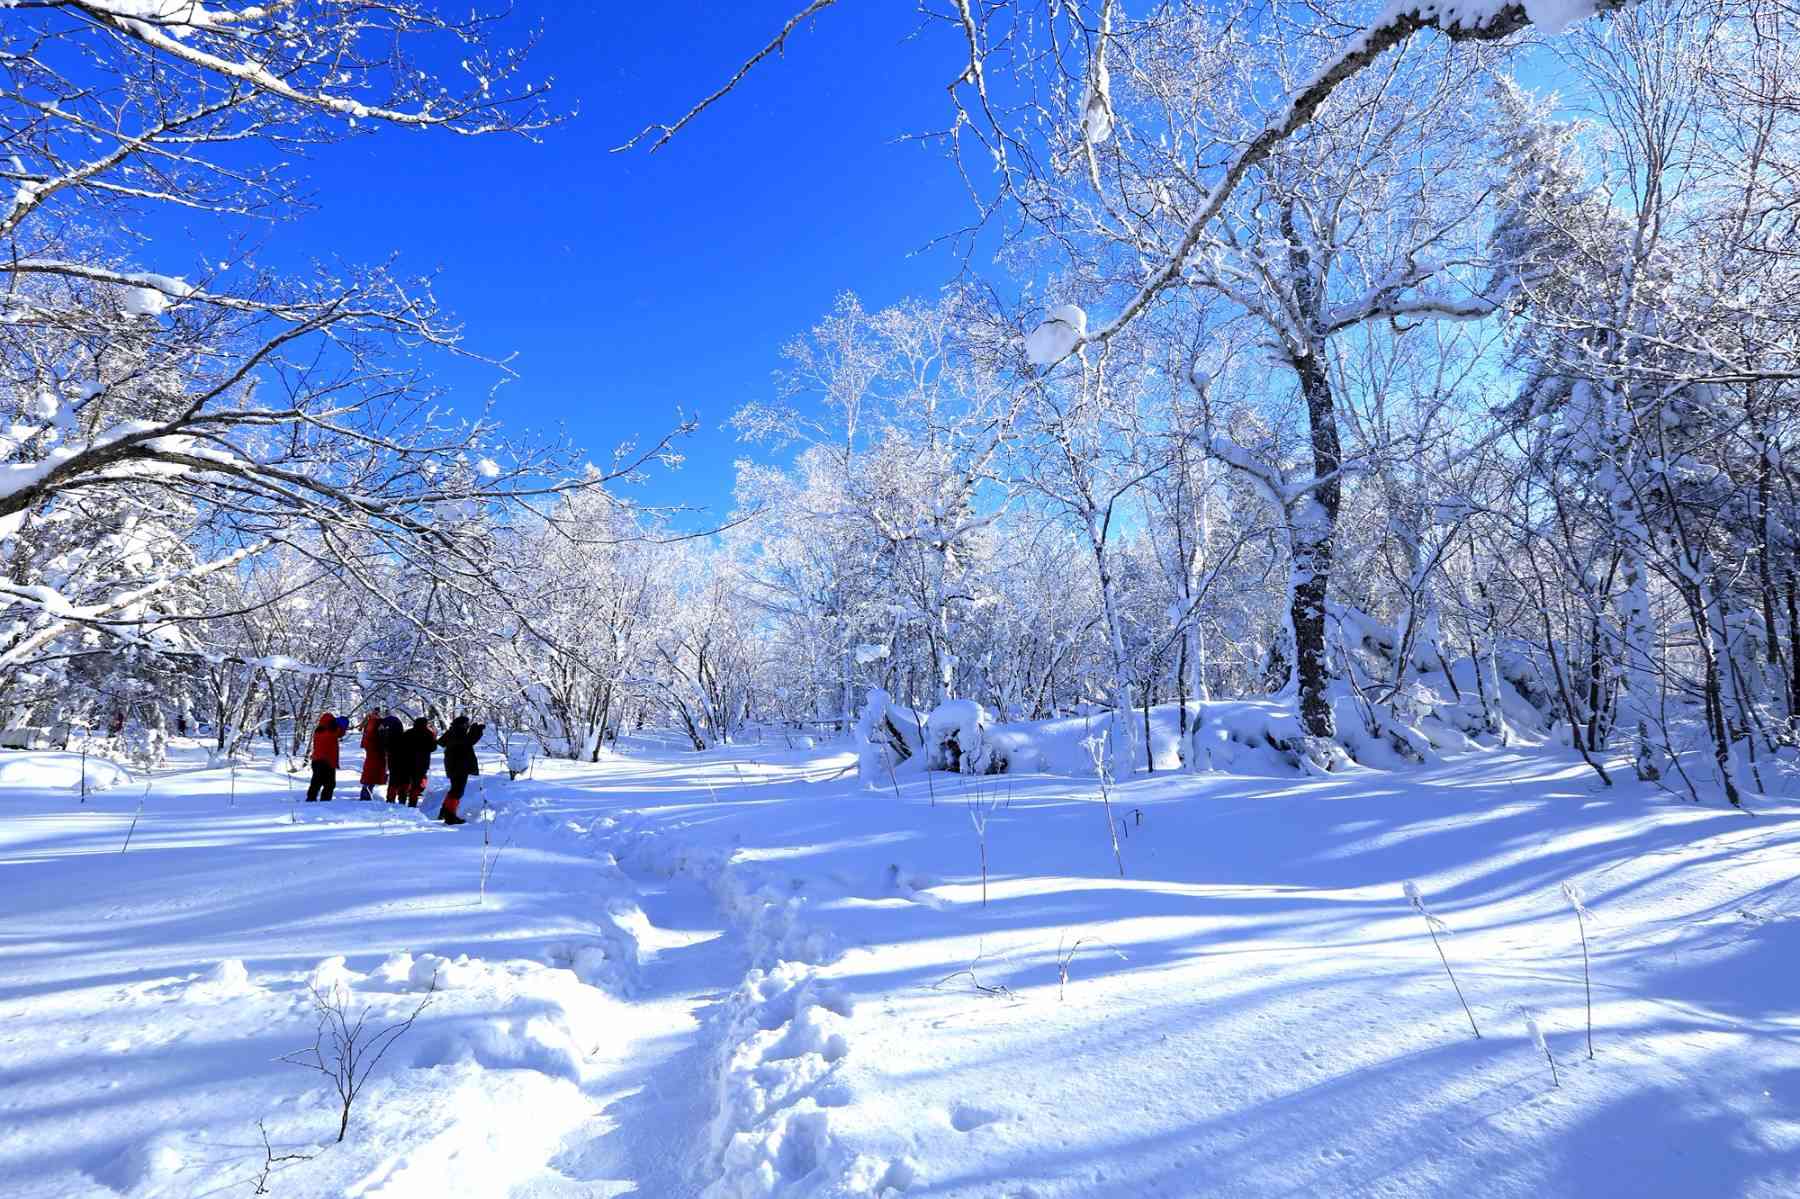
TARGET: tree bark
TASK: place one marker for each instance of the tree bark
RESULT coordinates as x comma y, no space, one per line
1313,516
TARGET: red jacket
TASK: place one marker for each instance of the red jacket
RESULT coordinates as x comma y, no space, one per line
374,771
325,740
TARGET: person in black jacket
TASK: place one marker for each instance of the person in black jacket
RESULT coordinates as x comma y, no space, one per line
459,763
399,759
414,757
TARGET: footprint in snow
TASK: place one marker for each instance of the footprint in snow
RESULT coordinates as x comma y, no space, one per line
966,1117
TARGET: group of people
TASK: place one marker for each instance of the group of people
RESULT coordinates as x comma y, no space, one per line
397,757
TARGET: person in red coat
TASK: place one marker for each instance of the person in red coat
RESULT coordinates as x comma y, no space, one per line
374,771
325,740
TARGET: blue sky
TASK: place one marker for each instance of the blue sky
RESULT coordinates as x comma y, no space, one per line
630,285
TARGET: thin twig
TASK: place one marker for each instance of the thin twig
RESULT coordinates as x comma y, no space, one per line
775,45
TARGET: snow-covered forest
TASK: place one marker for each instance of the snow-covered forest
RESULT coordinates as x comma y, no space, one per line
1338,429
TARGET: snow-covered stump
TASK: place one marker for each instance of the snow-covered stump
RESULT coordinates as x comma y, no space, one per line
956,740
1255,735
873,762
519,758
886,737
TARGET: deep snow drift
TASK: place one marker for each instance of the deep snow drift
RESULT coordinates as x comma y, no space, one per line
746,973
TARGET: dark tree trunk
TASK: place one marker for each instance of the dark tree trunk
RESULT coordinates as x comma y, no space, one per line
1315,536
1181,698
1793,615
1314,516
1597,724
1765,469
1149,756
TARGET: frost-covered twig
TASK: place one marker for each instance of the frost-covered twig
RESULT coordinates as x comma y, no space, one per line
1064,958
1434,926
345,1050
994,989
489,861
981,809
1536,1033
1572,892
1096,747
271,1159
135,815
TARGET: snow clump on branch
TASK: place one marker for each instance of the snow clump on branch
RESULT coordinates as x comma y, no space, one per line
1057,337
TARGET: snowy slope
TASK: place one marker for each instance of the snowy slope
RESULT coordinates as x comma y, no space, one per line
739,973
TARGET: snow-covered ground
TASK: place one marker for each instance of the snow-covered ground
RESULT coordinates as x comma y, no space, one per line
741,973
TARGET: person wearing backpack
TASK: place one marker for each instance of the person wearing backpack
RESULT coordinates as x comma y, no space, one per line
459,763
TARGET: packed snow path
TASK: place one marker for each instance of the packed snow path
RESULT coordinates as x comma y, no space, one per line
742,974
642,1142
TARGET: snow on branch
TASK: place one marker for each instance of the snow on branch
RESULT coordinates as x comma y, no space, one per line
1459,20
322,58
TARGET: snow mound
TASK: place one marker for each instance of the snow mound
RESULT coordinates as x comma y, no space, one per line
60,771
330,975
544,1043
395,970
227,980
1249,737
150,1164
452,974
609,961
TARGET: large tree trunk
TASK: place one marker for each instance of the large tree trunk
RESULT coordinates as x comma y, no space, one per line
1313,517
1313,522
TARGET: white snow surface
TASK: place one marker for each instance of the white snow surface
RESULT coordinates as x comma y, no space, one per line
746,972
60,772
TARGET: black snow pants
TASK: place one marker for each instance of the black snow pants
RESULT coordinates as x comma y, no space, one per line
324,782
